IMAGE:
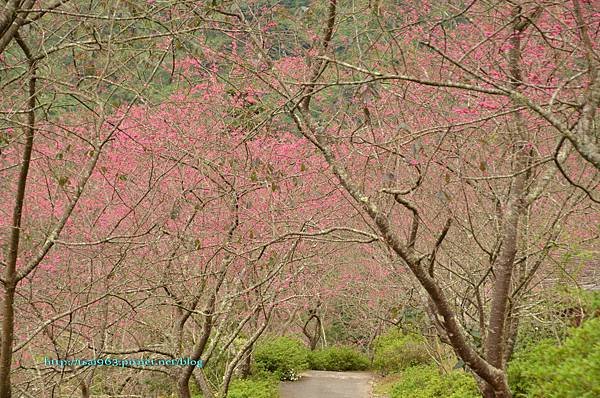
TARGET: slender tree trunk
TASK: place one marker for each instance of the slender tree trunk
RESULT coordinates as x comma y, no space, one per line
85,390
9,278
207,391
315,336
512,332
246,363
495,344
183,386
183,381
231,366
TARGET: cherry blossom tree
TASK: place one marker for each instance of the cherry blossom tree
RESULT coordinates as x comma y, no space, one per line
443,125
180,177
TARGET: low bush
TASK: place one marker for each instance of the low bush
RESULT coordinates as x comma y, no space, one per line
567,370
286,357
254,388
425,381
395,351
338,359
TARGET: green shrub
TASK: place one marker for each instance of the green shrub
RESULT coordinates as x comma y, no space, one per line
425,381
338,359
568,370
286,357
254,388
395,351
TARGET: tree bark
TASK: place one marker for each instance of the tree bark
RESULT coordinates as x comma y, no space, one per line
495,344
247,347
10,279
183,386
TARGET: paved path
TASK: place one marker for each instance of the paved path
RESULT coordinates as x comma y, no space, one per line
320,384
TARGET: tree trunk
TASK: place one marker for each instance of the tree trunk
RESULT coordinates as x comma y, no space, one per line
183,386
85,390
496,341
10,272
246,363
232,365
207,391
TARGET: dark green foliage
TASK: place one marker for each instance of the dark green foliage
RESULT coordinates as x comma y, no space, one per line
395,351
425,381
284,356
567,370
338,359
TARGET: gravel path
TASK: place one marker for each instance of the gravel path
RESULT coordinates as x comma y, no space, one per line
320,384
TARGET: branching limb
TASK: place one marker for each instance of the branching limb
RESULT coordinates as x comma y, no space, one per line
438,243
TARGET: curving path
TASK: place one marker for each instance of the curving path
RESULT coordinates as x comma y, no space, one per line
321,384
